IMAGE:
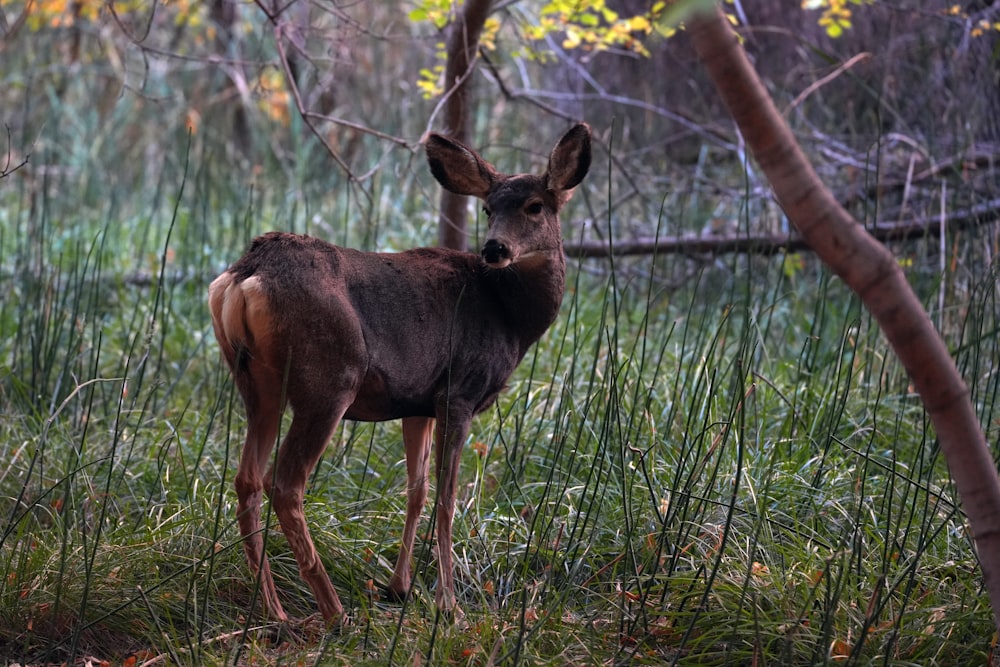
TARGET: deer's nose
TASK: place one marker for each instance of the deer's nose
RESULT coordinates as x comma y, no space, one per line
495,252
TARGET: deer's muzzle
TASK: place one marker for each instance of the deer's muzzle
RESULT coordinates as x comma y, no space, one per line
496,254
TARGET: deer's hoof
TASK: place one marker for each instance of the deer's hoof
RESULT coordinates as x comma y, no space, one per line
394,595
455,616
285,631
316,626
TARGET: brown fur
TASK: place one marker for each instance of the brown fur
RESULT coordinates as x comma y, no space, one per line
429,336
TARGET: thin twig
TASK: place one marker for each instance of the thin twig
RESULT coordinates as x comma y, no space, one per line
224,637
942,251
76,390
7,170
358,127
451,91
172,652
816,85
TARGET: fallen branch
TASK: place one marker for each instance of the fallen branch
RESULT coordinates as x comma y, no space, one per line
770,244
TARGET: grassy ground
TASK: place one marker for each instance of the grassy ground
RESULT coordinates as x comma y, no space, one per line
733,472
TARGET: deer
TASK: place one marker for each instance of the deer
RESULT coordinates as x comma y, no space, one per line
429,336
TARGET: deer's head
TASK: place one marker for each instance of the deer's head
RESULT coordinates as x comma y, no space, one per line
523,209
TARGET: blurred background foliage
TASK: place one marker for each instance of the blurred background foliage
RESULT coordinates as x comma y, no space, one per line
903,94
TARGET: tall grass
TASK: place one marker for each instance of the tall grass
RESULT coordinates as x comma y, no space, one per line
730,472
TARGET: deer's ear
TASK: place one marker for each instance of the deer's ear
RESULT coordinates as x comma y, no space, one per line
570,160
459,168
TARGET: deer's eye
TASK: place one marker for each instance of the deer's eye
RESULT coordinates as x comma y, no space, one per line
534,208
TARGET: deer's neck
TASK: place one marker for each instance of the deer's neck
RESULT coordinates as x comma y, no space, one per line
531,292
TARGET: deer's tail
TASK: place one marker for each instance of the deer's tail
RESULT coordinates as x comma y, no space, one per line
241,318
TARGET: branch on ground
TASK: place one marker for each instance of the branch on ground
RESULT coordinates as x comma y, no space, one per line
770,244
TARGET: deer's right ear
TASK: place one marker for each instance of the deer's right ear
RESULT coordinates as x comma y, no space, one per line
459,168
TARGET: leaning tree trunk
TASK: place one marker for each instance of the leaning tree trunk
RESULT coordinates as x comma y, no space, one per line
872,272
463,40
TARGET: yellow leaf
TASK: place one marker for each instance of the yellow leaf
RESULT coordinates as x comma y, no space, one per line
639,24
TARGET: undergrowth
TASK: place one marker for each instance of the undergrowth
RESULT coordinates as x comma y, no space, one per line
735,471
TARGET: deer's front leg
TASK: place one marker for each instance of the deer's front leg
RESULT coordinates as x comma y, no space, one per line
417,442
451,434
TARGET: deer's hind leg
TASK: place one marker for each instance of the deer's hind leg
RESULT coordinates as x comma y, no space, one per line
237,308
262,430
307,437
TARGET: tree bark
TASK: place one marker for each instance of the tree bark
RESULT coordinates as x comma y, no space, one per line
871,271
224,14
463,41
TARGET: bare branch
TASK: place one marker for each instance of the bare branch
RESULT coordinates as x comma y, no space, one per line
135,39
309,117
532,99
9,167
9,30
294,89
266,11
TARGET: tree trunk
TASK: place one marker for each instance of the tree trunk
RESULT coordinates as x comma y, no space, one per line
871,271
463,40
224,14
